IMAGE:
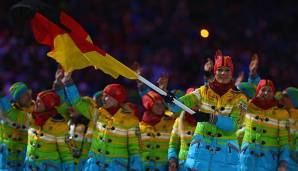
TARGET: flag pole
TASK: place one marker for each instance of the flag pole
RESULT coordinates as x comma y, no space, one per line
160,91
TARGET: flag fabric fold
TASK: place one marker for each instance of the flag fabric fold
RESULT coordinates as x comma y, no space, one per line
74,49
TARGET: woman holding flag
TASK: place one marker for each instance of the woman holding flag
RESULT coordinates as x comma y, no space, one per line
214,145
219,116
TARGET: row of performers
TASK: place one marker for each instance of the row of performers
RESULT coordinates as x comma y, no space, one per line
244,127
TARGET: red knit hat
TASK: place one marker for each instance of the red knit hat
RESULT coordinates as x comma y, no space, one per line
264,83
221,61
149,99
49,98
116,91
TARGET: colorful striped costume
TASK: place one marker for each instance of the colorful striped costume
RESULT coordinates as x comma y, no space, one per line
214,145
13,127
155,142
265,141
293,140
115,143
180,140
47,148
79,144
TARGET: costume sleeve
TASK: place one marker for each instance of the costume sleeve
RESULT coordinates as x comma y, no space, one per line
174,144
189,100
234,121
254,80
5,105
82,106
283,136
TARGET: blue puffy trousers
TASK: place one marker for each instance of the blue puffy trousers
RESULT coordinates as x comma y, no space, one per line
154,166
100,162
68,166
258,158
293,161
213,154
182,166
80,165
47,165
11,165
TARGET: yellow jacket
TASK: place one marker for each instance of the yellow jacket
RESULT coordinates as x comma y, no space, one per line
155,140
229,109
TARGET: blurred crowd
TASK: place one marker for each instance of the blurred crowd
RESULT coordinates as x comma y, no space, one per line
163,37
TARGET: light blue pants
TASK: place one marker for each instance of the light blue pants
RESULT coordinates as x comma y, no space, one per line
213,154
11,165
257,158
154,166
105,163
80,165
47,165
99,162
293,162
182,166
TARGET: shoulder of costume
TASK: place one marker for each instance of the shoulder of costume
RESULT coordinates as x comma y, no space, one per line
202,88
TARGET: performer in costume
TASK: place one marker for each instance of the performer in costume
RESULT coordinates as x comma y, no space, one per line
265,142
214,145
80,128
47,149
115,144
248,88
162,84
289,99
155,133
78,140
13,126
180,140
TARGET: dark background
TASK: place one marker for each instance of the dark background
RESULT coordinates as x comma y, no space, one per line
163,36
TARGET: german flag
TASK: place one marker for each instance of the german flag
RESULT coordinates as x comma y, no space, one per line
74,49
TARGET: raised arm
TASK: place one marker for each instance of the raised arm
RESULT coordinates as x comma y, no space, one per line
254,78
80,104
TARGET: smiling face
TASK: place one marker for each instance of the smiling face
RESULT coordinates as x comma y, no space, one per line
265,93
109,101
223,75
